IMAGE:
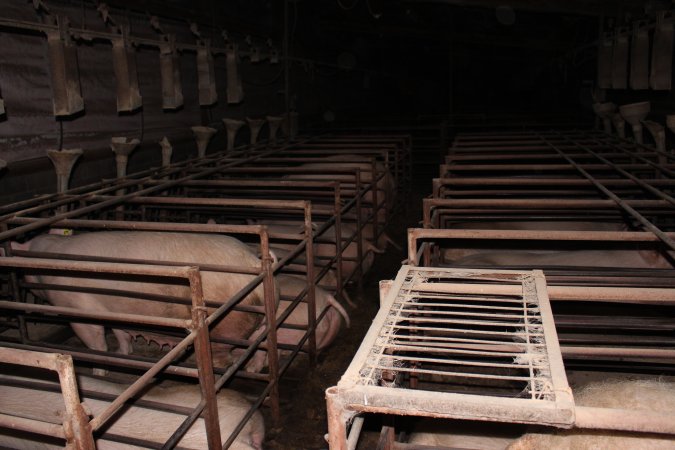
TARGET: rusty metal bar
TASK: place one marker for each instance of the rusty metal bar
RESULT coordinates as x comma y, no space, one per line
76,429
621,203
202,346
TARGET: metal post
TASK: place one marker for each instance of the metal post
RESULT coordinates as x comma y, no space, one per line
204,360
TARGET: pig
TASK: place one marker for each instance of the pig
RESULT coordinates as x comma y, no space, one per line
455,253
326,330
642,259
327,249
186,248
636,395
328,281
386,185
134,421
463,434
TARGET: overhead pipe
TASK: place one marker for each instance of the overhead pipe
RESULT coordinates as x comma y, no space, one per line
203,136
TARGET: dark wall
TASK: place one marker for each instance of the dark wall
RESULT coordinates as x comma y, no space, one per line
29,128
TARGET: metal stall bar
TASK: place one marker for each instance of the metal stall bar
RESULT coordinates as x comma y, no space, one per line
76,429
369,387
621,203
198,330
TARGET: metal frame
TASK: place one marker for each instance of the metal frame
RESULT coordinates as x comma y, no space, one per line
543,176
365,390
99,205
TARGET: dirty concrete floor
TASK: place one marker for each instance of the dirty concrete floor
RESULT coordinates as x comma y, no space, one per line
303,407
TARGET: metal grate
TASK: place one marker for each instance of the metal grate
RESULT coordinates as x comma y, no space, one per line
464,335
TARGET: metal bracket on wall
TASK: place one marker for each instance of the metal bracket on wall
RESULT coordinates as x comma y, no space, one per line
172,91
65,77
662,53
235,90
639,58
206,76
124,64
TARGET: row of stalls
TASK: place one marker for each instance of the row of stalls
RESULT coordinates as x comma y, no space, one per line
543,264
151,257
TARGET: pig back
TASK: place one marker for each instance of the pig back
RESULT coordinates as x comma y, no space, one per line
184,248
134,422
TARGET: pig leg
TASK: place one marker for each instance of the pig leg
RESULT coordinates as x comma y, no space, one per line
93,336
258,360
124,342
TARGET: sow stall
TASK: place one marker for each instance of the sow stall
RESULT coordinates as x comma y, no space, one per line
446,342
587,208
169,199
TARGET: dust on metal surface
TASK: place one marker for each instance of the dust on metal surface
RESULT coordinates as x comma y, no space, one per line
459,335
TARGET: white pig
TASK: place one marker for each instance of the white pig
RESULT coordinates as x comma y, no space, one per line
640,395
326,330
134,422
575,258
186,248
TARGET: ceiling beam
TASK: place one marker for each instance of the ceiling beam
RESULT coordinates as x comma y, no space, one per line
575,7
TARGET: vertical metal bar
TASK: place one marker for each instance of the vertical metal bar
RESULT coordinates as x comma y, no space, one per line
376,205
202,346
76,424
337,426
337,205
387,438
271,317
359,226
287,64
15,289
311,283
412,247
